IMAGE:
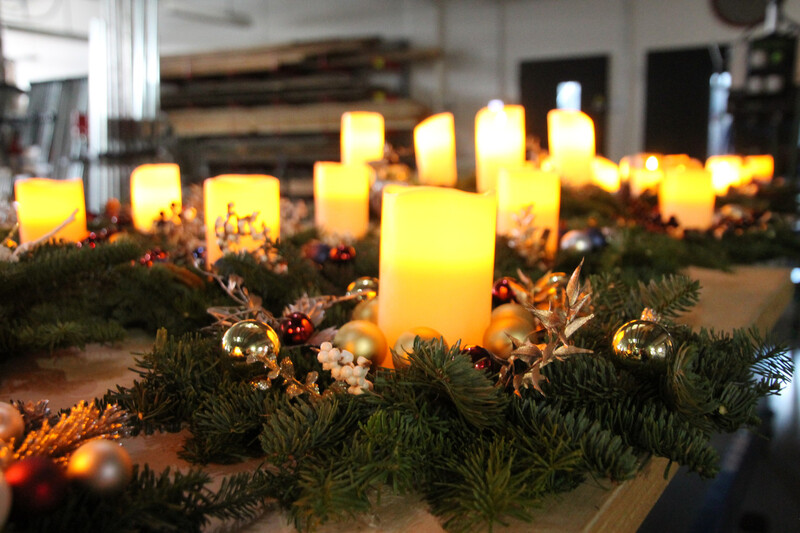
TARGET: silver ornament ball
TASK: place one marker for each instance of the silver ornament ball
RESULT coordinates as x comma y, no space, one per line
577,241
102,465
12,425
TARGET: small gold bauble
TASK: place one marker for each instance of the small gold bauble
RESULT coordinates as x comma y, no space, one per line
642,340
404,344
251,340
362,339
515,310
367,310
496,337
364,288
102,465
12,425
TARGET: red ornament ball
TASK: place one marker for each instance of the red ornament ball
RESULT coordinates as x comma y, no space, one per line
342,253
503,291
37,484
481,358
296,328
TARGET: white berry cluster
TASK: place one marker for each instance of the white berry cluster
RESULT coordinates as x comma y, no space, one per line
342,367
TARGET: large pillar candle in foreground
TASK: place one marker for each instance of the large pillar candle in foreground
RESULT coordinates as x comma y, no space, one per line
526,186
362,137
341,198
436,262
154,189
571,143
247,194
688,195
499,142
43,204
435,150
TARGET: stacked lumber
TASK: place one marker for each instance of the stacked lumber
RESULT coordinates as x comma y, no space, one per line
280,106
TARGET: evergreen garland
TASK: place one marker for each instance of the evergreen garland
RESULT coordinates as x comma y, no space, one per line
475,453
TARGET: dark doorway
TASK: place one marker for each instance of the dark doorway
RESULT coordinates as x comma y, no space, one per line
539,81
677,101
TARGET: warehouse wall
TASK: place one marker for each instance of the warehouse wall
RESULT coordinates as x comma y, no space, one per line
484,41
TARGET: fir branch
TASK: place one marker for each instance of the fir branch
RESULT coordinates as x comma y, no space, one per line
484,488
32,336
177,375
300,428
226,426
447,375
671,296
325,492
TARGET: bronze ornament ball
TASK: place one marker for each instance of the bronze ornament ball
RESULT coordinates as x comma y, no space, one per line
102,465
404,344
496,337
251,340
362,339
642,340
513,310
366,310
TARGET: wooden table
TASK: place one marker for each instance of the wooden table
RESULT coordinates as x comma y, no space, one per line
748,296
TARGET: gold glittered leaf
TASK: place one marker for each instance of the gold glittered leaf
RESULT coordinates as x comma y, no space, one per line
287,368
293,390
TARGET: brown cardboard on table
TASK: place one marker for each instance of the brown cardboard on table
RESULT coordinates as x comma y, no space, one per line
750,296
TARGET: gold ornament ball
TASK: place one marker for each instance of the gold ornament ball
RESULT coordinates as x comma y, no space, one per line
364,288
404,344
367,310
496,337
102,465
362,339
642,340
5,500
12,425
251,340
513,310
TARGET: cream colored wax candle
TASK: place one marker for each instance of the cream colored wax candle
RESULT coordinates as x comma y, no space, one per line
571,143
435,150
154,189
605,174
248,194
761,167
499,142
341,199
437,262
725,172
526,186
362,137
688,195
647,176
43,204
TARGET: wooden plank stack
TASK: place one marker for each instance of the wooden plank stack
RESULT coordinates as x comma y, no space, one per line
274,108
